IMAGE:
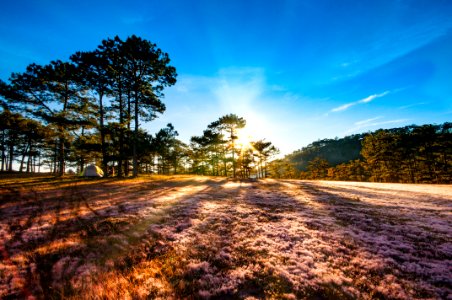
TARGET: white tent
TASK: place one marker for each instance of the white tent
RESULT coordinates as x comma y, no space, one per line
92,171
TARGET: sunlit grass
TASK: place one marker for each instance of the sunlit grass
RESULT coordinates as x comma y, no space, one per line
202,237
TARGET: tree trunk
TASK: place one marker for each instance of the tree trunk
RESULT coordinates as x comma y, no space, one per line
135,139
24,154
30,157
62,164
61,157
55,158
11,157
233,153
81,164
121,132
3,151
102,135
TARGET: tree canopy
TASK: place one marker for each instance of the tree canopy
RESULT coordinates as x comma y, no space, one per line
94,99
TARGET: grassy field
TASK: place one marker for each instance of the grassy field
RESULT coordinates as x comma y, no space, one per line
208,238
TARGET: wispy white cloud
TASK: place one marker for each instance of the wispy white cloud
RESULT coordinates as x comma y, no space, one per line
347,64
412,105
369,123
389,45
343,107
364,100
372,97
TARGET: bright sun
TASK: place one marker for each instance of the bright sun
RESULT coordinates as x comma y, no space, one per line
244,139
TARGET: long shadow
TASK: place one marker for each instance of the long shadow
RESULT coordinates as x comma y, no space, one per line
36,203
226,224
13,191
35,181
370,193
382,231
392,234
204,247
272,203
211,243
96,223
369,217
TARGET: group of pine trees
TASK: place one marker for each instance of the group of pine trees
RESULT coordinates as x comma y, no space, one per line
86,109
411,154
220,152
69,114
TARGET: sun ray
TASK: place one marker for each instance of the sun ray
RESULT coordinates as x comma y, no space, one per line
244,139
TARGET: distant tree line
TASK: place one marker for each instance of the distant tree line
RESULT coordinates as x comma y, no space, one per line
412,154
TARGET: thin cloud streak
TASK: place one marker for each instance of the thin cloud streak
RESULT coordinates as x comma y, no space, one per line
372,97
413,105
343,107
369,123
364,122
364,100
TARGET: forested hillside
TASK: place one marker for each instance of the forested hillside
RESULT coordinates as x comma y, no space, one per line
414,154
335,151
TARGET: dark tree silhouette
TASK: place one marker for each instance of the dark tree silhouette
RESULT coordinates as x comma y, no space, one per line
230,124
148,72
264,150
54,94
94,73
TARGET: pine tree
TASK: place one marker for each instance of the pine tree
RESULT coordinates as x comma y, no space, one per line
230,124
54,94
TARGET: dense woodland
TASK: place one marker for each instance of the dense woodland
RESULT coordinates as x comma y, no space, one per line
411,154
89,110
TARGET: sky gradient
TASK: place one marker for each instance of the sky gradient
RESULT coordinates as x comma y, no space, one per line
297,71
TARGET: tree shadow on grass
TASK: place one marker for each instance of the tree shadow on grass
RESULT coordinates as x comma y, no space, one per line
222,225
222,246
398,195
395,234
383,217
281,223
91,215
345,228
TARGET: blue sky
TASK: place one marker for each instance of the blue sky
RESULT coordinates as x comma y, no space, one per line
297,71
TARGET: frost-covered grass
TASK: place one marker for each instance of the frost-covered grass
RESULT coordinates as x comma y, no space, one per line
204,237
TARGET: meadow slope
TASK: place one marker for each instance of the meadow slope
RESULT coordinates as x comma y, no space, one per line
209,238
